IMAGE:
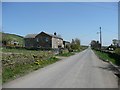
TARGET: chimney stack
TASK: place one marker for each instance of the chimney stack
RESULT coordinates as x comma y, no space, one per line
55,33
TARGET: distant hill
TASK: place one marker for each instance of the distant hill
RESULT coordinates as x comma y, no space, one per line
6,37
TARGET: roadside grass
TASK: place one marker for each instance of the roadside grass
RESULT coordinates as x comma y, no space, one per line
10,73
104,56
18,62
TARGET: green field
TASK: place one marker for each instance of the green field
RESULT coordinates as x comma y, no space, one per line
12,37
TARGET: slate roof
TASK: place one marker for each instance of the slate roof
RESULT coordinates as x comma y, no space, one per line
54,36
31,35
34,35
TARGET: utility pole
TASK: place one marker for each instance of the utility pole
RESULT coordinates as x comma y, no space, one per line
119,25
100,37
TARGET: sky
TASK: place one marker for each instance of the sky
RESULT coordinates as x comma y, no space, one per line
69,19
60,0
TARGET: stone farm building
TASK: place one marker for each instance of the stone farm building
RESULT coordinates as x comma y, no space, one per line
43,40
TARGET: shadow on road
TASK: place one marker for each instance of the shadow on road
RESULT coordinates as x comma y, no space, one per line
110,67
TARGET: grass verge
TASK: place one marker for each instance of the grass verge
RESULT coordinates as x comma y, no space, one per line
104,56
10,73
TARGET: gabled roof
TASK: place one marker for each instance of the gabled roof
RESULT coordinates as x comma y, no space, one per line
34,35
31,35
55,36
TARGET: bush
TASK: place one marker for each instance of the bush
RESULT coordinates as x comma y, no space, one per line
117,51
62,51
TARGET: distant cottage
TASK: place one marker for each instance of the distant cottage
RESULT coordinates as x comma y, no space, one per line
66,43
43,40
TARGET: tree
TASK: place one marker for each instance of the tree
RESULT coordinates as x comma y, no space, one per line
95,44
75,44
73,41
77,41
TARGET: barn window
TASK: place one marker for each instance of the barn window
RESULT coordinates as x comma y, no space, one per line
37,39
46,39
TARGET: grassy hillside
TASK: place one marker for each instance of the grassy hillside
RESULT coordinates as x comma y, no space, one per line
12,37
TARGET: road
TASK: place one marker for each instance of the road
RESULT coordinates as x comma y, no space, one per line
83,70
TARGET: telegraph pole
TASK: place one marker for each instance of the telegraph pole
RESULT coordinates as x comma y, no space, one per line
100,37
